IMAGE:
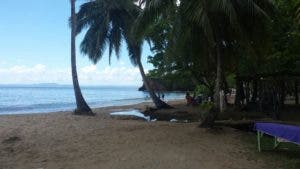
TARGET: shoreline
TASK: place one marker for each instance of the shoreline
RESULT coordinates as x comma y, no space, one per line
61,99
102,110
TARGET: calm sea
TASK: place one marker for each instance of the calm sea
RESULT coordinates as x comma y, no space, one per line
22,99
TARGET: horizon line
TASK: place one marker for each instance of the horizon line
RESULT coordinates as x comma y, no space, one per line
59,84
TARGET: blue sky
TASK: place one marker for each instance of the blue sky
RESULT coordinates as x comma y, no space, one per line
35,48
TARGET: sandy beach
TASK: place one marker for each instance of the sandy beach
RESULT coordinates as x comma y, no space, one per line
64,141
150,84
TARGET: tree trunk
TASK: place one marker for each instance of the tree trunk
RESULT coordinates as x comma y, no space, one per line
260,95
218,81
82,106
159,104
226,90
239,95
237,91
254,95
282,93
296,93
209,120
247,92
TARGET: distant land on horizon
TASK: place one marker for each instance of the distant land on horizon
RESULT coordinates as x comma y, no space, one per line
60,85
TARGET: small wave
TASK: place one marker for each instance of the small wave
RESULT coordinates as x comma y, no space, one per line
40,107
132,99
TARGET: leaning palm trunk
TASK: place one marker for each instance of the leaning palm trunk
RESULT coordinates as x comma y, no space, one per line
209,120
82,106
157,101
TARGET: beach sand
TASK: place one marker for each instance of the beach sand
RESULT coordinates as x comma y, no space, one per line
64,141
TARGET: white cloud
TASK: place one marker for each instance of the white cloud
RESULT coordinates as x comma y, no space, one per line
88,75
39,68
89,69
120,75
21,74
121,63
2,62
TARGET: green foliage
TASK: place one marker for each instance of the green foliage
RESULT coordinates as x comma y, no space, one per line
202,89
200,26
176,81
205,109
207,106
284,53
231,80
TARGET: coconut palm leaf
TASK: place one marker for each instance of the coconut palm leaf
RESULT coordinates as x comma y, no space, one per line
153,10
106,22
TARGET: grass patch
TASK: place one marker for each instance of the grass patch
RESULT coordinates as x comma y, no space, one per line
286,155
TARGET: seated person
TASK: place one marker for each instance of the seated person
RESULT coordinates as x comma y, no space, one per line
189,99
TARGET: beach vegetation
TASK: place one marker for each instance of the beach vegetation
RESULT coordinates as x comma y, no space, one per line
248,49
108,24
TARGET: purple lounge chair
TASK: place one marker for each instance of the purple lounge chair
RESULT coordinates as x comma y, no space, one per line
283,132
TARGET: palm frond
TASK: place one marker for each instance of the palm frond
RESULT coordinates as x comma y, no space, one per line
95,42
197,11
115,39
106,22
153,10
88,14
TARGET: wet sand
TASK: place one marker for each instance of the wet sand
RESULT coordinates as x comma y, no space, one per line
64,141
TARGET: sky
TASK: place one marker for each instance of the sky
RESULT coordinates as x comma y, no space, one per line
35,48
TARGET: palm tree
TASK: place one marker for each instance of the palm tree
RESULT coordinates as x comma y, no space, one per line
108,22
82,106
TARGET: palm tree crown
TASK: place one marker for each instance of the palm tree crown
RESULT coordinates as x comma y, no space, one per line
107,22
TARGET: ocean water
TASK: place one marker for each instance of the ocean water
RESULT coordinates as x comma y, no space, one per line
23,99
